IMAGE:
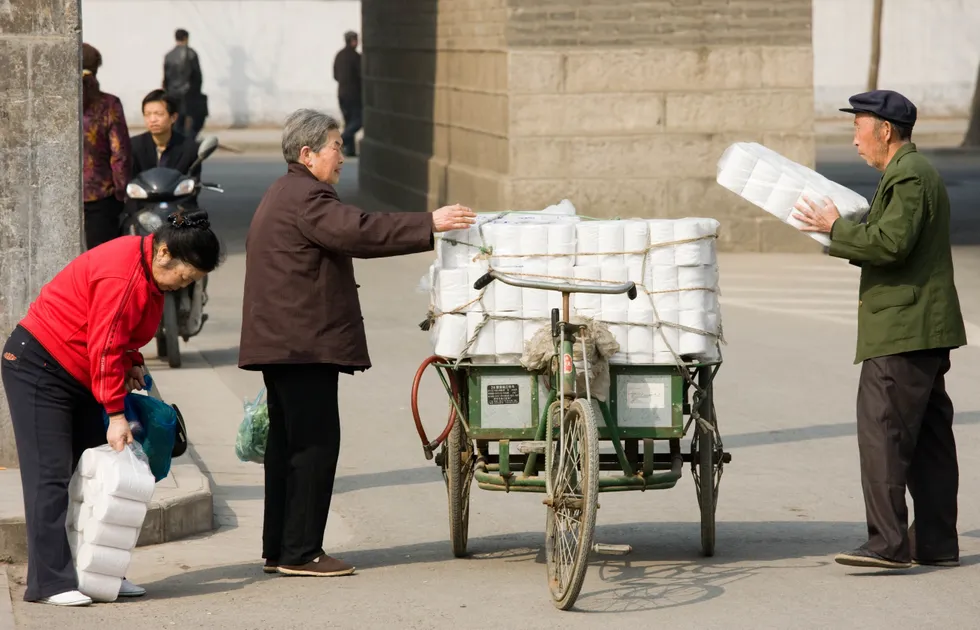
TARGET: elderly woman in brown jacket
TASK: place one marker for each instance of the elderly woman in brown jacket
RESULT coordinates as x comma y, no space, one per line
302,326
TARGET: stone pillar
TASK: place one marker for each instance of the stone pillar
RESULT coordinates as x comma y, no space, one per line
622,107
40,158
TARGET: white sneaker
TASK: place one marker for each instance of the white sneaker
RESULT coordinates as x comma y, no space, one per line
128,589
68,598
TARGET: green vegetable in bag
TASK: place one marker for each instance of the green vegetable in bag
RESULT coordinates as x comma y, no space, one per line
253,432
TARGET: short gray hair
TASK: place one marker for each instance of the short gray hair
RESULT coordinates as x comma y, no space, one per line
306,128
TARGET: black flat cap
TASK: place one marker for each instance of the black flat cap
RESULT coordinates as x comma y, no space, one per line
884,104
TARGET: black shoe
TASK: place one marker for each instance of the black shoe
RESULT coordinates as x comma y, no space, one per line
271,566
945,562
862,557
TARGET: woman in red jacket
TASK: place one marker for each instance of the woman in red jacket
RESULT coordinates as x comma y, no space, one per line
77,353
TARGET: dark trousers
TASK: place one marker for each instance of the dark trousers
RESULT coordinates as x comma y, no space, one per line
55,419
102,219
300,460
905,438
352,110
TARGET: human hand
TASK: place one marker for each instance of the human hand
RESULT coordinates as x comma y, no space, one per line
455,217
816,217
118,435
135,379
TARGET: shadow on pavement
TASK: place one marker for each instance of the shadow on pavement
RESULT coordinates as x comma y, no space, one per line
221,579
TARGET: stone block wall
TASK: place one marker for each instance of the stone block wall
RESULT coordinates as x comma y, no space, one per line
40,158
622,107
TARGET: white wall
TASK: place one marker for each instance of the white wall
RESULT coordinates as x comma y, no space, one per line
261,59
930,50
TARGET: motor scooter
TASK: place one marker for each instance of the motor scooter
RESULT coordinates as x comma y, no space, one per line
157,193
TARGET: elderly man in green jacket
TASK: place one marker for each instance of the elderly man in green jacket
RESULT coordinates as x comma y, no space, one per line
908,321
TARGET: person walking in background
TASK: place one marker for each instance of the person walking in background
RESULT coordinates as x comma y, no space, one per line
182,80
347,74
107,154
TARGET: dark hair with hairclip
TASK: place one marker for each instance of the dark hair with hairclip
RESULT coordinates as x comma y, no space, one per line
189,238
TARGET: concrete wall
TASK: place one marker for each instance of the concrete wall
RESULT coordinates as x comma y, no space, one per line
40,159
930,51
623,107
261,59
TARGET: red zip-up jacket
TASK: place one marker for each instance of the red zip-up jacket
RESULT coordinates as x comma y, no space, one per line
95,315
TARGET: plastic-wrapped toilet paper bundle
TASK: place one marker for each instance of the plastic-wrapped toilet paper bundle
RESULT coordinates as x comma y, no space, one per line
484,343
454,250
506,297
663,283
508,336
505,239
116,482
699,250
694,284
667,340
640,338
661,231
534,239
636,238
611,237
614,272
774,183
694,343
561,242
450,332
101,588
453,289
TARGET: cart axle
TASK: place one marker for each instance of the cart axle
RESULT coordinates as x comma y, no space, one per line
612,550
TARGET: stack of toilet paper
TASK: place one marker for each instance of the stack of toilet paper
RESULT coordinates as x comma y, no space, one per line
673,262
109,495
775,184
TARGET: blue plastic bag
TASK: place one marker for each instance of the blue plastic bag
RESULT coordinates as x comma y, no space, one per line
154,425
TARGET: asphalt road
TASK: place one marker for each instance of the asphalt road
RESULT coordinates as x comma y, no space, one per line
789,500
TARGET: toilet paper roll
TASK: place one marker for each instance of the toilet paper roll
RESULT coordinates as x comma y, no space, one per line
79,514
484,343
450,334
101,588
662,278
474,273
735,167
505,239
784,196
640,338
761,183
587,301
636,236
125,485
453,249
534,239
694,278
688,254
103,560
75,541
667,337
71,516
611,246
116,511
113,536
634,272
508,336
692,343
92,458
714,322
587,243
506,297
533,322
661,231
561,270
614,273
536,270
560,233
453,289
75,488
617,321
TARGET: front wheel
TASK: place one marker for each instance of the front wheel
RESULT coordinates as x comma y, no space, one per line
458,468
171,330
707,469
572,469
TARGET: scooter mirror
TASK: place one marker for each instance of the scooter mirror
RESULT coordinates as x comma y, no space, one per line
208,146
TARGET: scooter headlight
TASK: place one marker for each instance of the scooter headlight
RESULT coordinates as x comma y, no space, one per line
149,221
185,187
135,191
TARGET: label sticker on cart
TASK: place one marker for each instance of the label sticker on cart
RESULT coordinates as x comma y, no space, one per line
503,394
568,364
645,396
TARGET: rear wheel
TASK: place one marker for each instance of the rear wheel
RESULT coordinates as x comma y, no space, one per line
572,475
170,329
458,469
708,470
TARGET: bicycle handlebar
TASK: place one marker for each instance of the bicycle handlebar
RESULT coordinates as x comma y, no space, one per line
629,288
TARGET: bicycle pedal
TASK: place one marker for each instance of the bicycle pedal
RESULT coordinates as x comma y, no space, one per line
612,550
529,447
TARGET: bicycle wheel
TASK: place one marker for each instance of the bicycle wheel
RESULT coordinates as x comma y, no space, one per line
572,465
707,474
458,471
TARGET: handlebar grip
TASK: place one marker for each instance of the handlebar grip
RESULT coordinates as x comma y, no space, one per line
483,281
632,292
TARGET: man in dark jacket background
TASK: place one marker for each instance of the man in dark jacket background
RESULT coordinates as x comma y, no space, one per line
182,80
347,74
162,144
302,327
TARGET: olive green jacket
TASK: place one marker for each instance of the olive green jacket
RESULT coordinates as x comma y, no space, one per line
908,300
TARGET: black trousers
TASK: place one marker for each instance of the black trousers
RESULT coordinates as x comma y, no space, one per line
55,419
102,220
352,109
300,460
905,438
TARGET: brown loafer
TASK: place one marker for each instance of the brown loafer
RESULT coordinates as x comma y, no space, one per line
322,566
271,566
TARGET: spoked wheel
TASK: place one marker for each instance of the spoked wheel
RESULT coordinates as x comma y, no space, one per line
458,471
572,478
707,472
171,328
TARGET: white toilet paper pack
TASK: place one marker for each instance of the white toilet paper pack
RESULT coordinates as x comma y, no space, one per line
775,183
